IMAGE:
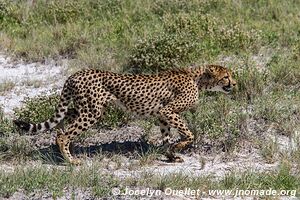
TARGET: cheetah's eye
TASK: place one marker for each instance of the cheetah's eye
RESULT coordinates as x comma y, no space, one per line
226,77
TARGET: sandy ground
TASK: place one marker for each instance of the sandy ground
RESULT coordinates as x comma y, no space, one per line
29,80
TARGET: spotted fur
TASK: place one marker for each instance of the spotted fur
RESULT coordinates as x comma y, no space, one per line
163,95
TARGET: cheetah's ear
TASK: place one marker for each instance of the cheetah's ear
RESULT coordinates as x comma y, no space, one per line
210,71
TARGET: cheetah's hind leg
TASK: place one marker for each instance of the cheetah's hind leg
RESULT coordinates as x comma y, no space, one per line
64,138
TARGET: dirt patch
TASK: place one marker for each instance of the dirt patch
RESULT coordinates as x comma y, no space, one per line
29,80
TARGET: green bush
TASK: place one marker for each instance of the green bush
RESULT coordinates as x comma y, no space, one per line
161,52
198,25
9,14
212,32
162,7
113,117
51,12
234,36
56,12
186,38
37,109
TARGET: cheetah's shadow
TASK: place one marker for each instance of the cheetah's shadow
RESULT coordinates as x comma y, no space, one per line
52,154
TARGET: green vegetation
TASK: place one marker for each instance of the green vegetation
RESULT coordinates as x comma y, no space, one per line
111,34
37,109
88,178
5,124
16,149
114,117
283,179
55,180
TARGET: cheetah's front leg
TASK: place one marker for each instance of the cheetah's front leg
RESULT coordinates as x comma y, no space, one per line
175,121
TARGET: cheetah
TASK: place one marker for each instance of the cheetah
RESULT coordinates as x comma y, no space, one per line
163,95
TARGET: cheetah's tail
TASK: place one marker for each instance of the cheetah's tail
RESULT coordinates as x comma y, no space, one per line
59,115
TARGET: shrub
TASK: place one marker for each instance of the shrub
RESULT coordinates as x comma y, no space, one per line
161,52
37,109
55,12
235,37
113,117
9,14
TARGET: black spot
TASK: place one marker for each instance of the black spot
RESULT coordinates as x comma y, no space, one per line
34,128
39,126
47,125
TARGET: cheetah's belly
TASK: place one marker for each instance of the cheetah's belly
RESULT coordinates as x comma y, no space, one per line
141,109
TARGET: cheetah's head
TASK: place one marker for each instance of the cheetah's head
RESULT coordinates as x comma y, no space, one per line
218,78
